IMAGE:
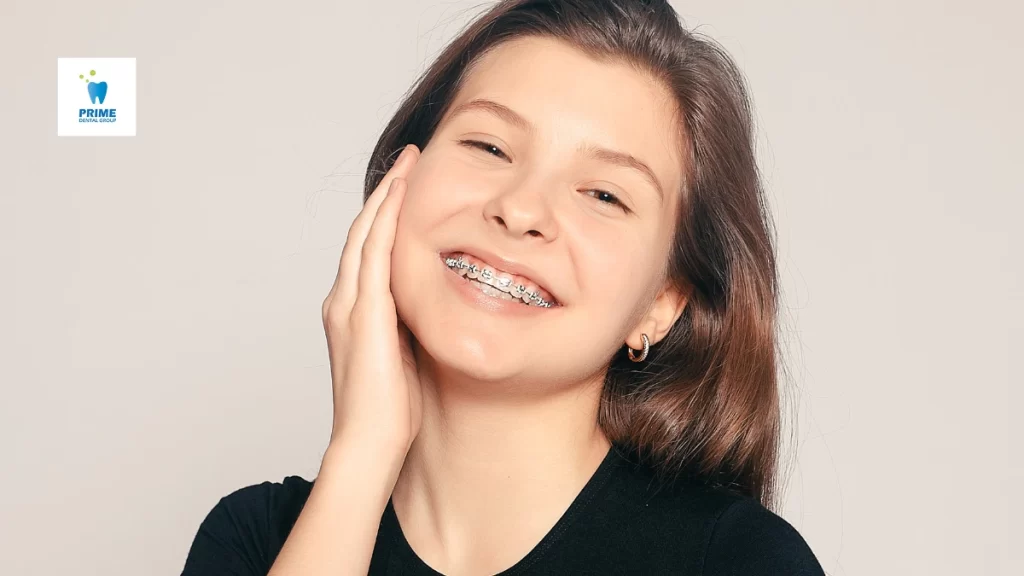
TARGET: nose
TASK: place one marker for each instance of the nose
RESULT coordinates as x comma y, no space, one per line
522,209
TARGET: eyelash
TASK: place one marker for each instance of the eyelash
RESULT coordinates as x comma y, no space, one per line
478,144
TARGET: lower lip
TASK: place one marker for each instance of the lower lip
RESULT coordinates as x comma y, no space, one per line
478,299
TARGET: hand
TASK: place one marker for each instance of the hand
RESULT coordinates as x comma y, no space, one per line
377,394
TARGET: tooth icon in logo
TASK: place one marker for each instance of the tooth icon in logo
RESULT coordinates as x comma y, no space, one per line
97,91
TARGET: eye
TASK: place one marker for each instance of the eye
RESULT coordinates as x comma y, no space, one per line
489,148
608,198
603,196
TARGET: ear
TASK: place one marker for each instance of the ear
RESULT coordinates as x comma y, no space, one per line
667,307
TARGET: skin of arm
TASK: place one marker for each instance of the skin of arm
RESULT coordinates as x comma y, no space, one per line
336,531
376,400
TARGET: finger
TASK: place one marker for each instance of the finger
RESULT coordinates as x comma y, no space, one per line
348,268
361,224
375,267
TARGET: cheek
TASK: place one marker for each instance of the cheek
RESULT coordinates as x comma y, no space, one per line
425,207
613,278
420,208
414,263
444,186
612,264
408,256
402,273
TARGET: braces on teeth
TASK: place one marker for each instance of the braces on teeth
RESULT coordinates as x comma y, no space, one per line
486,276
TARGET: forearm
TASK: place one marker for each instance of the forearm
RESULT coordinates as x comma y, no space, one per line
337,529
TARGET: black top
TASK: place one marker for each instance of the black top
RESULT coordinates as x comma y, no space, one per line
619,523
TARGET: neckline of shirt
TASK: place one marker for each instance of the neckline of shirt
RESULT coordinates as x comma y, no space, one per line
580,503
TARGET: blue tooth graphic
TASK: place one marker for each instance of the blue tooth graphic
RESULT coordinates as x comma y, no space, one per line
97,91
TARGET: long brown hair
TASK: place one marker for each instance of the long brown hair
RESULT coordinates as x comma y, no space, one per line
705,403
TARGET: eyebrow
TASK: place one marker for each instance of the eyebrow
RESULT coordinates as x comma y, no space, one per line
606,155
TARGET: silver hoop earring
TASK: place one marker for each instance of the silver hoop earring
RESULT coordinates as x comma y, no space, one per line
647,348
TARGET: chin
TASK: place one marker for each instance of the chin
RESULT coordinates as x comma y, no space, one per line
462,344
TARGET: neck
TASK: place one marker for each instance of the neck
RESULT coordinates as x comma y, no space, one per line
492,469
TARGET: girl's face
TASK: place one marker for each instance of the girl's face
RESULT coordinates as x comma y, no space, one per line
563,170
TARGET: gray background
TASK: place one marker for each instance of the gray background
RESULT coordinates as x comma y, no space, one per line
160,335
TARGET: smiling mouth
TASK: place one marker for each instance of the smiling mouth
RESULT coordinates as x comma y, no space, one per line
499,284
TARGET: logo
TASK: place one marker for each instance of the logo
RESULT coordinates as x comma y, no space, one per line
97,91
96,96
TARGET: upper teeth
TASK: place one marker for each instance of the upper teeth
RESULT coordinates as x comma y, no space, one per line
503,283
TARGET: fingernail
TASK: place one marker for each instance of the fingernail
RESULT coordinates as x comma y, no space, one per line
405,154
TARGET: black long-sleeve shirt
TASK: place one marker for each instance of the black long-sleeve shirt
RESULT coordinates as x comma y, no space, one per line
620,523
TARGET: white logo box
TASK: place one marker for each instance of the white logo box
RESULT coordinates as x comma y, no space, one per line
79,110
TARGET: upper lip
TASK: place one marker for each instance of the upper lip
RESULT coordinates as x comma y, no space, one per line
503,264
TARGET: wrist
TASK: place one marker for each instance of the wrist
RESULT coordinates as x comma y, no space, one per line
347,456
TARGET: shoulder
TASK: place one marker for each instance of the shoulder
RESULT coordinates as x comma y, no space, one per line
245,529
268,500
747,538
713,531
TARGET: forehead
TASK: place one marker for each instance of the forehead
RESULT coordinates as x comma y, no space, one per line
571,99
